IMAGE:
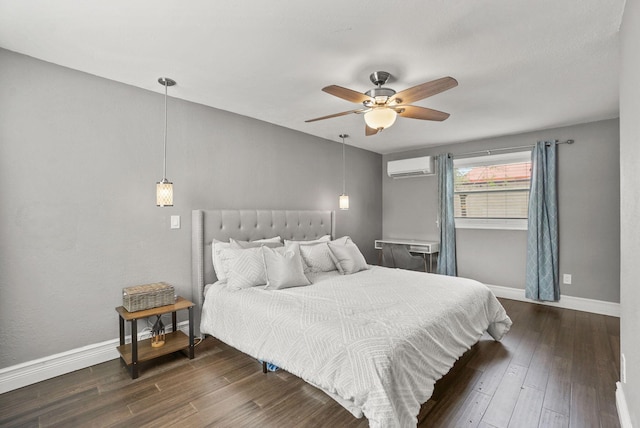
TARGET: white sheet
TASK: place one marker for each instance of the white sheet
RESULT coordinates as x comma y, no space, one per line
379,339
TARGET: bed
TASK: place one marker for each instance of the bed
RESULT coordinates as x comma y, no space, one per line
376,340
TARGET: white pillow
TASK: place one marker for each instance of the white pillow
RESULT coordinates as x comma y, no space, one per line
347,257
325,238
243,268
218,246
317,257
270,242
216,250
277,239
283,269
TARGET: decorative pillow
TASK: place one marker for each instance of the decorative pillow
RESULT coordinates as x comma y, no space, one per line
243,268
216,250
348,257
317,257
283,269
271,242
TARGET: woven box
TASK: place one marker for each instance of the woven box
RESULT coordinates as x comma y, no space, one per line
147,296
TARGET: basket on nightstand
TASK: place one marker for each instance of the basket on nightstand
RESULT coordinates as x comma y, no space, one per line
147,296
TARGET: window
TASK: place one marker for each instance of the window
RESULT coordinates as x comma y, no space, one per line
492,192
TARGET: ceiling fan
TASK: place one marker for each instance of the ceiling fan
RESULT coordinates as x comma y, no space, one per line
383,105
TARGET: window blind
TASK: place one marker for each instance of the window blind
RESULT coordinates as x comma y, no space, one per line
493,186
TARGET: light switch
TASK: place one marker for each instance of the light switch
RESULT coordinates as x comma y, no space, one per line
175,222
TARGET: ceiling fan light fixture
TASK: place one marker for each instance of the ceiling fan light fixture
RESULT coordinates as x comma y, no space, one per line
380,118
382,105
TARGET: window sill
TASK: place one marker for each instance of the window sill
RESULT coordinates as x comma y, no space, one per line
492,223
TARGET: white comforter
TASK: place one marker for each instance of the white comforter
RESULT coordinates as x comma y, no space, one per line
378,339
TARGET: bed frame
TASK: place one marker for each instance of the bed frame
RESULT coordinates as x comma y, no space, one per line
246,225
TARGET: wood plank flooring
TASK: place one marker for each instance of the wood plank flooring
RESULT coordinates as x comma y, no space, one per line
555,368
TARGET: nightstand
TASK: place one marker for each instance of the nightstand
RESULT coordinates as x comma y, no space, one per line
135,352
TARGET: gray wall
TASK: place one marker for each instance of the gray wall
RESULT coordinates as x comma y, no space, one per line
79,158
589,207
630,209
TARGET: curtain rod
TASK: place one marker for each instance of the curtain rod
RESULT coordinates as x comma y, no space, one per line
489,151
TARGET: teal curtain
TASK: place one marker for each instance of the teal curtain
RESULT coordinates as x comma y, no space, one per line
447,254
542,282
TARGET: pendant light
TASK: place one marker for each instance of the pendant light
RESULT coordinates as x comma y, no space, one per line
164,188
344,198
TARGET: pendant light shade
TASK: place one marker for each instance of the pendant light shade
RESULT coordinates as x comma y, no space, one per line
164,188
164,193
344,198
344,202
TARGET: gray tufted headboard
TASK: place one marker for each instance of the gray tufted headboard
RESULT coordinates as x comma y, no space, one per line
246,225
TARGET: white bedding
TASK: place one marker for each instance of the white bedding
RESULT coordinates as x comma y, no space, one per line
378,339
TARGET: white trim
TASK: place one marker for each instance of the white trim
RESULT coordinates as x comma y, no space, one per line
567,302
621,405
31,372
483,159
492,223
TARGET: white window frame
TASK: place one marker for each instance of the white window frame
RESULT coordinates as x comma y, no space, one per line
492,223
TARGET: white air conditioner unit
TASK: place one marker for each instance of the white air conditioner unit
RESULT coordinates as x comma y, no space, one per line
413,167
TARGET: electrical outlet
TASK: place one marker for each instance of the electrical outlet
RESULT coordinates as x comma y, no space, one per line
623,369
566,278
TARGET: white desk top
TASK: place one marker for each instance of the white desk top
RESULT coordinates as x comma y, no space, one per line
415,245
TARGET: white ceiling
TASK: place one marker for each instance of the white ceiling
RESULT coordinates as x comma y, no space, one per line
522,65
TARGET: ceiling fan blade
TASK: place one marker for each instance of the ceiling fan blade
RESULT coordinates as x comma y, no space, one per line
347,94
360,110
425,90
423,113
368,131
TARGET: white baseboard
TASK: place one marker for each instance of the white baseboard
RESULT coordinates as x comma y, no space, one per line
621,405
567,302
35,371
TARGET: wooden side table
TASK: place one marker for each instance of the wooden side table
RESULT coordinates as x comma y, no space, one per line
134,352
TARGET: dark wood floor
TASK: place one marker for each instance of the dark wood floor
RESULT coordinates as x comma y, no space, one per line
556,368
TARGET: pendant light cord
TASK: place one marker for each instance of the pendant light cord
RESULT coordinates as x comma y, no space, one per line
164,167
344,179
343,171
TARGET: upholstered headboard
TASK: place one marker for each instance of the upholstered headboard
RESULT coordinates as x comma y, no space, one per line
246,225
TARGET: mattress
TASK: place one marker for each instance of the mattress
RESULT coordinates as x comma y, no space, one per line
377,340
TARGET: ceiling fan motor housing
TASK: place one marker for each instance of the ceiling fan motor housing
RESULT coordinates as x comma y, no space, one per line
381,95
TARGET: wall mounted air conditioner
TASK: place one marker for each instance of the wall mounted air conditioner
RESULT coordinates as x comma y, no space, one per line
413,167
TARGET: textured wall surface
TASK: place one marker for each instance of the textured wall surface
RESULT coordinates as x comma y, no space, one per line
630,205
79,158
589,209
